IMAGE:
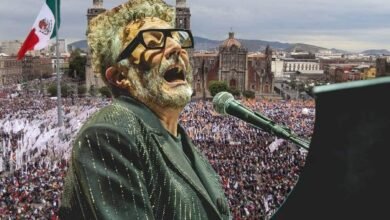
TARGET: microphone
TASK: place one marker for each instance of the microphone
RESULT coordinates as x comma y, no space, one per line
225,104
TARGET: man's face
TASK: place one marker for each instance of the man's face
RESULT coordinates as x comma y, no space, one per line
159,76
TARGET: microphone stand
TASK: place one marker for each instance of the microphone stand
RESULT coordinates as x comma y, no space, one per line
224,103
281,131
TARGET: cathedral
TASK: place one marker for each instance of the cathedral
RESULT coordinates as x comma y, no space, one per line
232,63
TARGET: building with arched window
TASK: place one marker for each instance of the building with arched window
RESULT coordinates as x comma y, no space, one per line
233,64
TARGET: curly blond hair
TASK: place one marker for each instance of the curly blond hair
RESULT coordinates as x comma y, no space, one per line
107,35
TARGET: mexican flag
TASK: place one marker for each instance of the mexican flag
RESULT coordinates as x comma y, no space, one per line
43,29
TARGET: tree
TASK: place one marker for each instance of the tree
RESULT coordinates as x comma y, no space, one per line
52,90
293,84
249,94
300,87
105,91
234,92
81,90
217,86
65,90
77,64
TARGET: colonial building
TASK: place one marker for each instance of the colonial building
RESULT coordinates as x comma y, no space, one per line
303,70
382,66
350,72
10,70
233,59
294,65
13,71
34,67
234,65
10,48
363,72
332,69
262,68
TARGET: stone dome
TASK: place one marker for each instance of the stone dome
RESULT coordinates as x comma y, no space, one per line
231,41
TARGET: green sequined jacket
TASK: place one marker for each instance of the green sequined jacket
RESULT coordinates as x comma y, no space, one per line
125,165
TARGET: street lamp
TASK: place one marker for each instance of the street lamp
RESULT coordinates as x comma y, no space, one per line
95,85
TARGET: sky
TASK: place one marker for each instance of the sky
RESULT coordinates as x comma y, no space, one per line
352,25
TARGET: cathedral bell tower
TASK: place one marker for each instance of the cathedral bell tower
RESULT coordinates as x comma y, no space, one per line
95,10
182,15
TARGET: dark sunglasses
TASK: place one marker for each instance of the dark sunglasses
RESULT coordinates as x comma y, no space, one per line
156,39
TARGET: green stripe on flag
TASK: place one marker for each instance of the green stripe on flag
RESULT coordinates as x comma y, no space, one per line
52,5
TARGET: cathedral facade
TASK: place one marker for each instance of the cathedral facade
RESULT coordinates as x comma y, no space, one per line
242,71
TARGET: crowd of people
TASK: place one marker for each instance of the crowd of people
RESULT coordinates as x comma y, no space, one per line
34,192
256,177
34,152
257,169
28,126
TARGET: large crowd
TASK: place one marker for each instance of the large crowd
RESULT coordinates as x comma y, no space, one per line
33,192
257,169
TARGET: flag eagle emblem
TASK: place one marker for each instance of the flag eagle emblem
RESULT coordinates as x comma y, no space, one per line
45,26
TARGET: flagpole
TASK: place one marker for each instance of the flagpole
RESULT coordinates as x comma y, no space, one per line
59,104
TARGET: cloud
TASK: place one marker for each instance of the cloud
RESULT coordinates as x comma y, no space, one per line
355,40
342,24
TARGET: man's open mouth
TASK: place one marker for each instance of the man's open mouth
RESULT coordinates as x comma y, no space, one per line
175,74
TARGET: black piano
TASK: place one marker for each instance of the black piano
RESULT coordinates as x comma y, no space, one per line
347,170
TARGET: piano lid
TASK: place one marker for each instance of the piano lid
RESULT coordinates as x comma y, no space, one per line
347,170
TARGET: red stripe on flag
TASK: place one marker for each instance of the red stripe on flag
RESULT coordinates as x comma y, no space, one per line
31,40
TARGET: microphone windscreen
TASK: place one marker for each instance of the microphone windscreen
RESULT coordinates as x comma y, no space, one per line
220,100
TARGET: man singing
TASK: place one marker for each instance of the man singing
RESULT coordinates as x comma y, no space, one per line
132,160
